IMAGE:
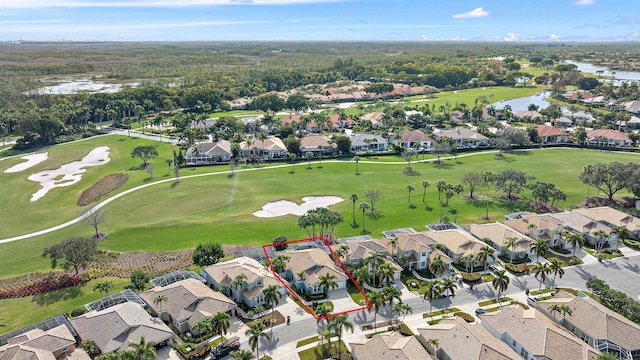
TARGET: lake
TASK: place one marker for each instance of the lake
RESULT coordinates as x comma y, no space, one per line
619,75
523,102
73,85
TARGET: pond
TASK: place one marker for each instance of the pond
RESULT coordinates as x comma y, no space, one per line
73,85
619,75
523,102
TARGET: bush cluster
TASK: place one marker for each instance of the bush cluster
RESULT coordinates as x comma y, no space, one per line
42,286
101,188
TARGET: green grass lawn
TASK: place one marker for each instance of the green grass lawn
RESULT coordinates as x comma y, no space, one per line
494,301
317,352
20,312
167,216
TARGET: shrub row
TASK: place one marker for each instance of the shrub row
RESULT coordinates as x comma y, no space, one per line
101,188
43,286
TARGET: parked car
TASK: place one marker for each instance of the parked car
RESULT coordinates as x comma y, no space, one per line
480,311
532,301
225,348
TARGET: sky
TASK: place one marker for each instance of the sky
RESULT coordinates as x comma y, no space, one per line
317,20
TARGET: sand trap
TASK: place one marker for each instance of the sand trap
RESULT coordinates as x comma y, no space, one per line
32,160
285,207
68,174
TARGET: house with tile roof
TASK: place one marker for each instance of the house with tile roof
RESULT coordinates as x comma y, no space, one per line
414,140
376,118
529,114
188,301
607,137
54,344
419,250
465,138
293,120
612,217
312,143
457,242
542,226
586,226
632,106
459,340
552,135
389,346
258,277
563,121
368,142
534,336
271,148
497,234
360,249
113,328
208,153
340,122
593,323
314,263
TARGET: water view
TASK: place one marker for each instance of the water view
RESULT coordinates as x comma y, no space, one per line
524,102
70,86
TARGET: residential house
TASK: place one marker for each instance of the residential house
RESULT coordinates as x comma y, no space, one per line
552,135
312,144
292,120
534,336
360,249
465,138
208,153
586,226
459,340
578,117
239,104
258,277
497,236
563,121
389,346
602,328
419,250
607,137
341,122
543,226
376,118
632,106
368,142
114,328
457,242
271,148
54,344
250,123
634,122
314,263
529,114
188,301
414,140
612,217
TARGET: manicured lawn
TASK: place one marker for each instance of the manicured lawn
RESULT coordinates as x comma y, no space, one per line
494,301
219,207
603,255
440,312
316,353
355,294
20,312
543,291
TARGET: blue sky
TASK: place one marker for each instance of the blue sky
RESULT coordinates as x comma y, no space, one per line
181,20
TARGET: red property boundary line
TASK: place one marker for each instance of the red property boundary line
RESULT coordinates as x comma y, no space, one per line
295,295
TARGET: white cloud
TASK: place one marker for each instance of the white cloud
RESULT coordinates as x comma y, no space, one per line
584,2
21,4
511,37
475,13
554,37
423,37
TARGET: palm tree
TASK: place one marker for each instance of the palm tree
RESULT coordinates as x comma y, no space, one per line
255,333
144,350
373,261
242,354
327,281
500,282
623,234
511,243
391,293
437,266
293,157
410,188
321,312
470,261
401,309
532,228
459,188
104,287
343,251
325,334
238,282
393,242
566,309
357,160
169,161
431,293
301,275
271,297
434,344
339,324
575,240
385,272
354,198
262,136
540,247
320,153
487,177
486,252
88,345
377,300
442,186
279,263
202,327
448,284
555,268
541,272
361,276
553,309
601,235
364,207
158,302
425,185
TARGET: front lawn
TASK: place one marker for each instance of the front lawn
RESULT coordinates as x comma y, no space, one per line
322,352
356,295
441,312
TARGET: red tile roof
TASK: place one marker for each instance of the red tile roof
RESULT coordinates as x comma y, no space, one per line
544,130
609,134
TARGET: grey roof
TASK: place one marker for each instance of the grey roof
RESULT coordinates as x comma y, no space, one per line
390,346
37,344
114,328
358,140
44,325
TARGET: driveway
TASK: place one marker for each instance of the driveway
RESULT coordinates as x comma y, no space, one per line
342,301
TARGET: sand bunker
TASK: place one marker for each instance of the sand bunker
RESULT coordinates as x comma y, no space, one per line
69,174
32,160
285,207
